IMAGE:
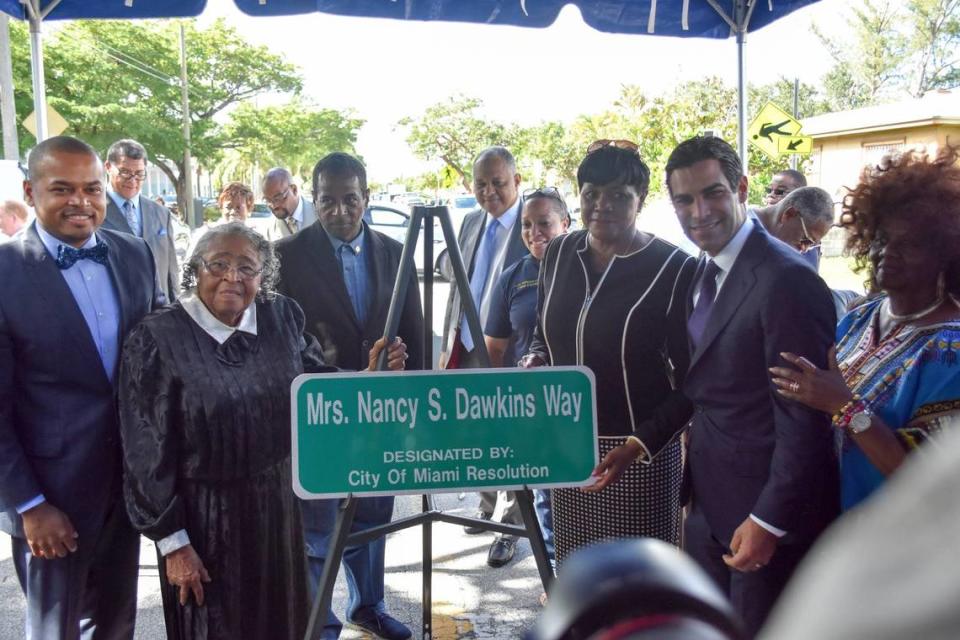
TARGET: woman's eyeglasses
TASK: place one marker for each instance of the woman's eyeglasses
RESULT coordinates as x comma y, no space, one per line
219,268
619,144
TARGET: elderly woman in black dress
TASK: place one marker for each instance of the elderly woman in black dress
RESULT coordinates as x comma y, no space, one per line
611,298
205,421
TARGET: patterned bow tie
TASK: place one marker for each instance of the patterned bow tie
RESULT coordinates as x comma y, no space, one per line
68,256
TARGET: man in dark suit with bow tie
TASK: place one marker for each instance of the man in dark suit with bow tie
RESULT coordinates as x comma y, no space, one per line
761,474
342,273
69,295
129,212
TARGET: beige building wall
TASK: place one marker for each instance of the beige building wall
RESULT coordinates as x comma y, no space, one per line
837,161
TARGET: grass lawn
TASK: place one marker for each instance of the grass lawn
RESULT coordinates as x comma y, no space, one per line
838,273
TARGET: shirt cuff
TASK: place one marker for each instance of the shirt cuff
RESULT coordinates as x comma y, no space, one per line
30,504
174,541
644,456
769,527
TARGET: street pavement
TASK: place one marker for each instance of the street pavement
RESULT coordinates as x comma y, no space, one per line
470,600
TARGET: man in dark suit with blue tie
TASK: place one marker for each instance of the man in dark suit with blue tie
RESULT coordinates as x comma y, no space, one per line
129,212
489,242
761,474
69,295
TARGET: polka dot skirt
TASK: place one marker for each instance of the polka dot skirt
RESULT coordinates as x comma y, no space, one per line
643,503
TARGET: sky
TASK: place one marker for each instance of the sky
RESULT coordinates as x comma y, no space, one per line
385,70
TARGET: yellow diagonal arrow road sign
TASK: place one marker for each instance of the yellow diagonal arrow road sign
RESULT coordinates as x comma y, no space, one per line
770,125
802,145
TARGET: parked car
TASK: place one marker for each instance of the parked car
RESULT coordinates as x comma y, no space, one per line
261,218
181,239
392,221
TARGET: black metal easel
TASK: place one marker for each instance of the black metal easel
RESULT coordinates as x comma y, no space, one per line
341,533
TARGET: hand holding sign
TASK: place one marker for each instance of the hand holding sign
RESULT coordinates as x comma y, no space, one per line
396,354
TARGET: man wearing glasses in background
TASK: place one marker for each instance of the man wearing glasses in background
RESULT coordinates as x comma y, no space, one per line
490,242
291,211
129,212
801,220
782,183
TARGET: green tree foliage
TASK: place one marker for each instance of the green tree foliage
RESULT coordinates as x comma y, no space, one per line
935,40
453,131
889,49
293,135
106,93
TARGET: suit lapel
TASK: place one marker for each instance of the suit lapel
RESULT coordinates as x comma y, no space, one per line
115,218
472,241
736,287
309,213
51,286
515,247
117,277
149,224
378,275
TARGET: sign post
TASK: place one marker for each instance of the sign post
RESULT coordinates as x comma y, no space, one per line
390,433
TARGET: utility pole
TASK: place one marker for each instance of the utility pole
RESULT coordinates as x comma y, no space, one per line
794,159
36,63
8,109
187,174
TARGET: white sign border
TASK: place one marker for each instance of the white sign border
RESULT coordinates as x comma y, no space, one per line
301,379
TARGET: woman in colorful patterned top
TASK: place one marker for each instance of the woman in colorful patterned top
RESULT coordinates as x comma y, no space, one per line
895,379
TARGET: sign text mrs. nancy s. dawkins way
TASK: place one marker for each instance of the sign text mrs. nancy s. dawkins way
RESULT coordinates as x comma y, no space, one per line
424,432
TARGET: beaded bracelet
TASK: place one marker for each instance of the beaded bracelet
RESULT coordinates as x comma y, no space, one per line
842,418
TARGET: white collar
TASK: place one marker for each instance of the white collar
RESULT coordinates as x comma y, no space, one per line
508,217
52,244
728,255
298,212
217,330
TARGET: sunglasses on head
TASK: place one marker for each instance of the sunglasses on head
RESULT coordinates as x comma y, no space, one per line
546,192
619,144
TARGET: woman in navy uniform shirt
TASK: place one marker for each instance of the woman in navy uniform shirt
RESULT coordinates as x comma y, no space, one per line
513,304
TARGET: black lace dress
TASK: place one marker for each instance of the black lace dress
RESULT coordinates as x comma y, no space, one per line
206,437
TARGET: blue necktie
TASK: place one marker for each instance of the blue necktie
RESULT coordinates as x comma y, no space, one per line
478,281
131,215
701,312
68,256
348,264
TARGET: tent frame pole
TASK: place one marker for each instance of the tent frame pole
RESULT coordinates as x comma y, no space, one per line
36,65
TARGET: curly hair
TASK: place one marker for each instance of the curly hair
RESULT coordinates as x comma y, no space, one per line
268,257
909,187
236,190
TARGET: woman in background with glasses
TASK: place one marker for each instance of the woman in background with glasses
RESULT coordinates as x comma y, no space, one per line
611,298
205,421
513,304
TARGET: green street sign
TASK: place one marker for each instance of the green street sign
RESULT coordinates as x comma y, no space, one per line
426,431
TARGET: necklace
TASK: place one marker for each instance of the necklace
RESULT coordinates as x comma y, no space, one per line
910,317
